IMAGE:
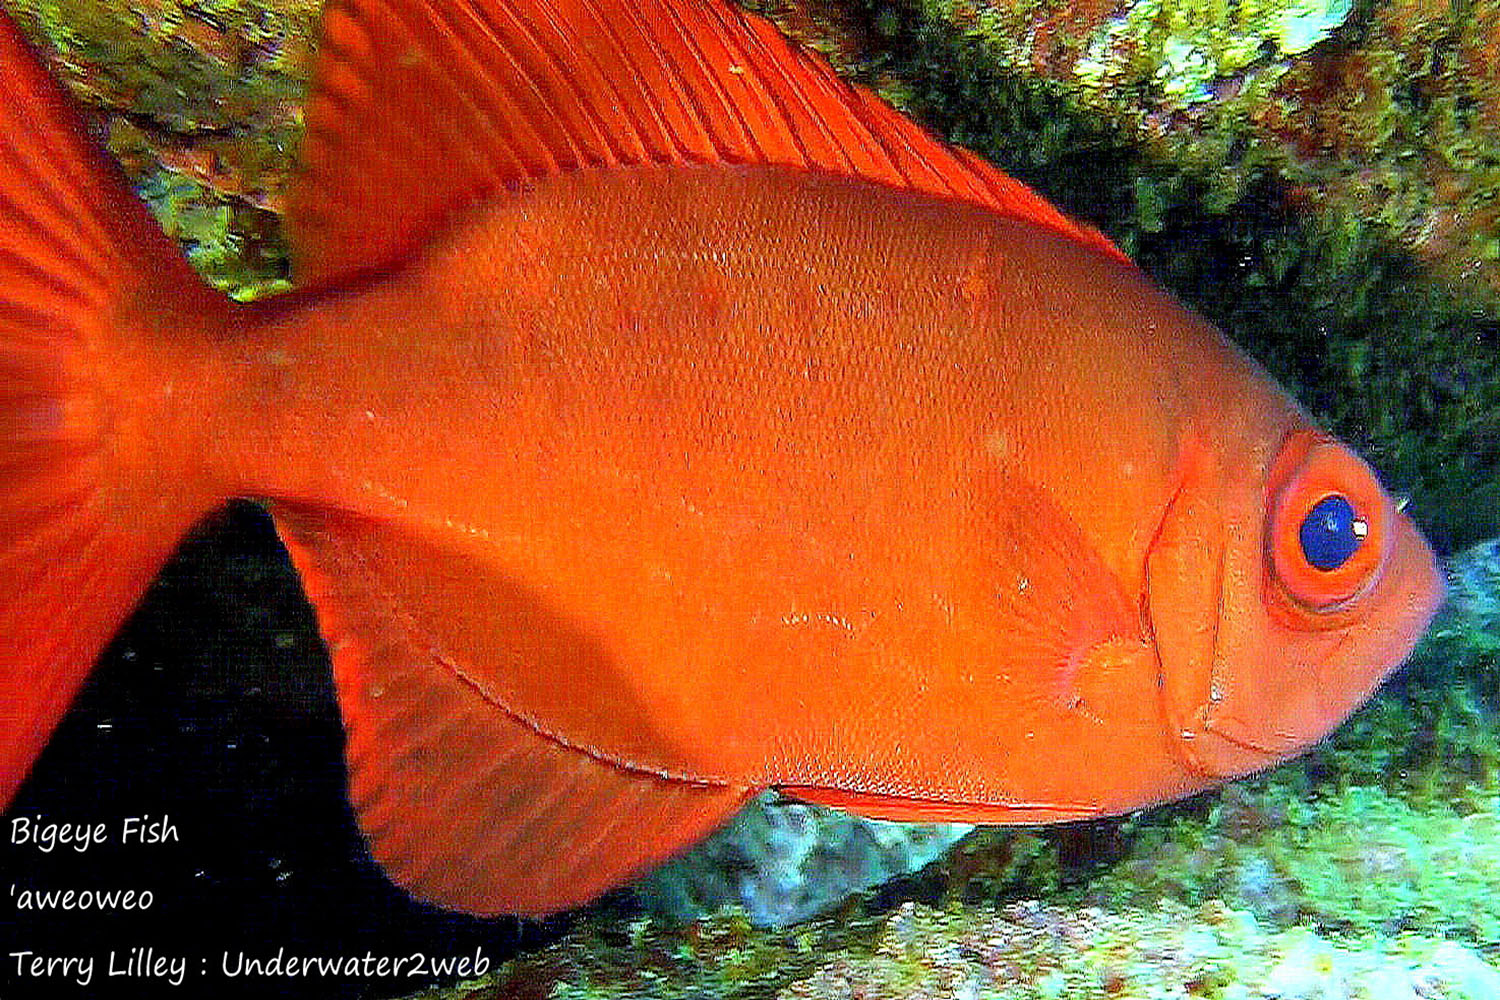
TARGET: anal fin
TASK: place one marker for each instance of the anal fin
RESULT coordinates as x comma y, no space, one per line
465,802
908,809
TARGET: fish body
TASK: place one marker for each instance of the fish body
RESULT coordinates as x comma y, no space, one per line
712,397
643,471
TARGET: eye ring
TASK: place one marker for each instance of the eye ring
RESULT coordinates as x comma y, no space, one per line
1329,529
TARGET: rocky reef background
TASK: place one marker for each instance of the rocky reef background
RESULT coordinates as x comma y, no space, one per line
1319,177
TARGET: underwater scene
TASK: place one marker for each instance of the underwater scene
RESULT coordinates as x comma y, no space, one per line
230,805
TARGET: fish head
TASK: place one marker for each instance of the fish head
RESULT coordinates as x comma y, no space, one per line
1282,588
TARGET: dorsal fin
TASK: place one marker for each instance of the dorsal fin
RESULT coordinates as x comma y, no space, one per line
421,107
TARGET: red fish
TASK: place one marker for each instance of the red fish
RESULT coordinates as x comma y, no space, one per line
660,419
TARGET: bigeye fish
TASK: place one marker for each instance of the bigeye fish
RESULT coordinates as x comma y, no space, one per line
659,418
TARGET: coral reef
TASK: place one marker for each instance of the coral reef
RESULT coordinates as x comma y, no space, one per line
1356,860
1022,951
1389,108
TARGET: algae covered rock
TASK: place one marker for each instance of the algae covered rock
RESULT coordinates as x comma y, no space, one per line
201,104
785,862
1467,630
1026,950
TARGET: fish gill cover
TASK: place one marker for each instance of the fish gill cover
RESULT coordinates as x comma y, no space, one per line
1329,204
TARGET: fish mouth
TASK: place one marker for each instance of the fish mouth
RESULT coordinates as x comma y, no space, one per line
1268,701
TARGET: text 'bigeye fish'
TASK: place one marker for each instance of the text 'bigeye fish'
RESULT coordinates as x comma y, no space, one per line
659,419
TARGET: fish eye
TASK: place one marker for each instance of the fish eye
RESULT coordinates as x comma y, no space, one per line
1329,524
1331,533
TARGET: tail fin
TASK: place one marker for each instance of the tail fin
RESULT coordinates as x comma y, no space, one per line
84,521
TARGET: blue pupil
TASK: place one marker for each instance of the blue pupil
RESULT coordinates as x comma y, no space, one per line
1328,534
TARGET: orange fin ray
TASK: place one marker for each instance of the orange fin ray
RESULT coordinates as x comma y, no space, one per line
464,801
905,809
74,244
482,95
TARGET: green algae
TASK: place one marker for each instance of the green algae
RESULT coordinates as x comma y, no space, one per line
187,67
722,956
1021,951
1355,861
1322,97
200,103
224,240
1280,887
